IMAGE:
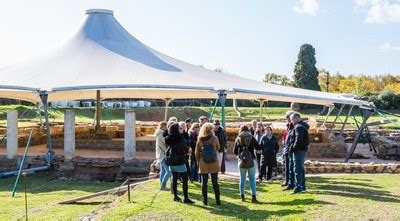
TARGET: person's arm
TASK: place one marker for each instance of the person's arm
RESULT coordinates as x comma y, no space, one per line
255,144
236,147
197,151
216,144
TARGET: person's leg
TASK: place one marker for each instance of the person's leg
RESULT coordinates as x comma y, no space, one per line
223,168
214,179
297,171
262,171
167,173
204,187
188,168
174,183
291,170
162,173
242,183
219,158
270,167
286,161
258,157
252,179
185,190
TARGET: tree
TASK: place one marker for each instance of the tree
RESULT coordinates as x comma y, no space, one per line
305,72
280,79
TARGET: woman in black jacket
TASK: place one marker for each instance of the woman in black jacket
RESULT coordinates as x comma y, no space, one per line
177,150
269,147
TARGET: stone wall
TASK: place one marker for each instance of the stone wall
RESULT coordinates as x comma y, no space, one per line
330,167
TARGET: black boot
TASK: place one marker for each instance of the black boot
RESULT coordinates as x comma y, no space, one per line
254,199
242,197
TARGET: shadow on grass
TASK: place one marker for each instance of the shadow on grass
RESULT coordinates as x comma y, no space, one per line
361,190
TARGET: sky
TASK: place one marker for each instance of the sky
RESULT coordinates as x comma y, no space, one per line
244,38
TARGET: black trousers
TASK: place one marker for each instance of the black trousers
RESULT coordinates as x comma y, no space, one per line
204,186
258,158
175,177
266,169
223,168
286,161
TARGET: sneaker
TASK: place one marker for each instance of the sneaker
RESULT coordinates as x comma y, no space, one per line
296,192
164,188
288,188
284,184
177,199
304,191
188,201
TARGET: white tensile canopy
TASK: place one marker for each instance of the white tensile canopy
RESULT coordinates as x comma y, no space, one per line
102,55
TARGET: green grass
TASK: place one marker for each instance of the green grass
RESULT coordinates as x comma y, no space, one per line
157,114
335,197
43,196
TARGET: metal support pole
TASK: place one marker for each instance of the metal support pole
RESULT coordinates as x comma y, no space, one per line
129,191
337,116
213,110
222,99
367,114
24,174
50,151
261,101
98,111
327,115
167,102
345,120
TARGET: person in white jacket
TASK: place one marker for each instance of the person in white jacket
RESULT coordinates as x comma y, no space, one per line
161,149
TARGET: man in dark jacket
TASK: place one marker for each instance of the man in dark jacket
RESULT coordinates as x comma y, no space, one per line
299,147
288,160
222,138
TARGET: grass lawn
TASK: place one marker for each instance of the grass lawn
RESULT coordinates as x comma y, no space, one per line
330,196
157,113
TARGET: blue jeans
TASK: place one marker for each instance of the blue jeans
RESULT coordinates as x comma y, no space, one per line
299,173
252,178
194,170
164,173
291,181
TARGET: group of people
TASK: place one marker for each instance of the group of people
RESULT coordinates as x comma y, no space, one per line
195,151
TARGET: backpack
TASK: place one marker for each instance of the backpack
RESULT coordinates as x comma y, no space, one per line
171,157
246,159
208,153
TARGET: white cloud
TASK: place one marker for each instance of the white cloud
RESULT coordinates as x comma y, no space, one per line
310,7
380,11
387,47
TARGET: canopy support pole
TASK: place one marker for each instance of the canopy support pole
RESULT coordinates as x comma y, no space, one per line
345,120
50,152
261,101
222,99
366,114
98,111
167,102
213,110
337,116
327,115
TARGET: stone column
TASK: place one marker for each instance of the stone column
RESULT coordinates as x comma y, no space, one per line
12,134
130,135
69,134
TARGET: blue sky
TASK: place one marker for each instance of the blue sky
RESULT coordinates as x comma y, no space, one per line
245,38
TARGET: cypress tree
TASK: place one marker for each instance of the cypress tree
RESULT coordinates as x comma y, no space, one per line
305,71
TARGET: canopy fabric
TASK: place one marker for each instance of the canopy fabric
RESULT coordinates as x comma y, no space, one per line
102,55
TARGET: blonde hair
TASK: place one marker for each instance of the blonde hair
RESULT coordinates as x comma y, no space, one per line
162,124
206,130
183,125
